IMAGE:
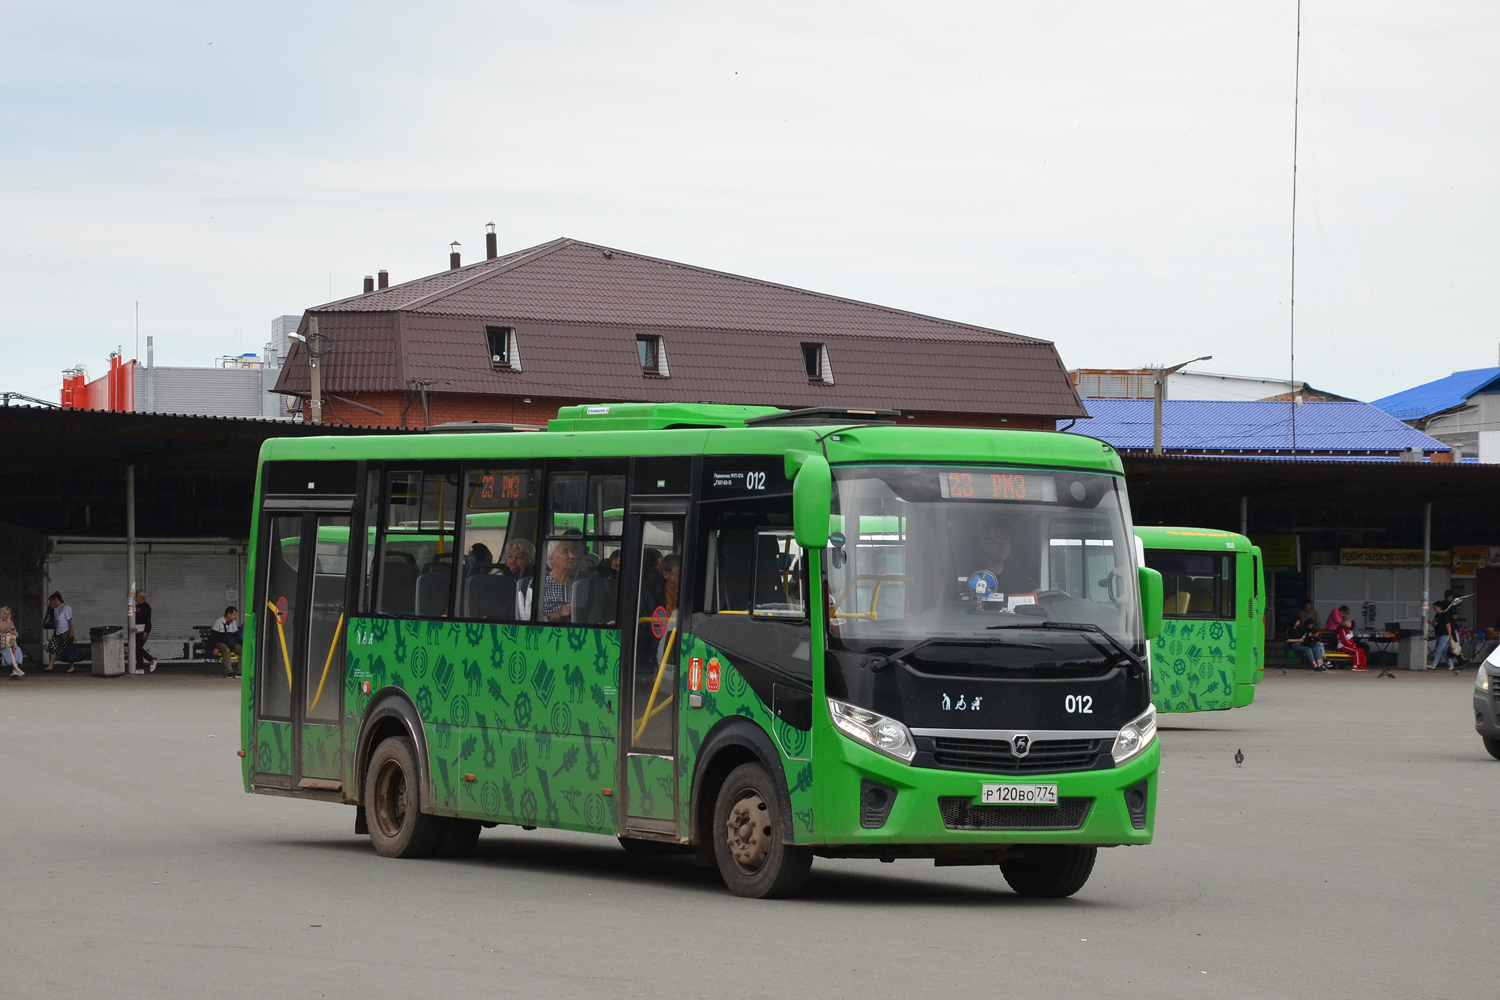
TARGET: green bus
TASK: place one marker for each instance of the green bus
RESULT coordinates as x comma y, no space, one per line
753,634
1212,649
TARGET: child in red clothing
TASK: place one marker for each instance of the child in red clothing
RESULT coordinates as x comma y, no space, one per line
1346,643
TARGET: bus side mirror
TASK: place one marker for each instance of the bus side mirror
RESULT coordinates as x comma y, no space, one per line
812,500
1151,598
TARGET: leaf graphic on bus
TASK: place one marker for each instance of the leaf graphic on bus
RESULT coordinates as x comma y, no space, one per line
804,780
569,759
496,692
469,745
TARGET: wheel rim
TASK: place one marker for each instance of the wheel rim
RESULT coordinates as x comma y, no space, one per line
748,832
390,798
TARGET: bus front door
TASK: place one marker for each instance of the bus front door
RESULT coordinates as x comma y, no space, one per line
299,735
648,719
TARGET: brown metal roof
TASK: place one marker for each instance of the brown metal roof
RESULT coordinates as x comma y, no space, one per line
577,308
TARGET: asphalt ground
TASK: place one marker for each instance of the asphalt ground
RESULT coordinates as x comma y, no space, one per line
1354,854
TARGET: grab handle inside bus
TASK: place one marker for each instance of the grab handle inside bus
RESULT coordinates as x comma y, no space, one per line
1151,598
812,498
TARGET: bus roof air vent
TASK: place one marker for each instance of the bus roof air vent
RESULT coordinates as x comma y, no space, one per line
826,415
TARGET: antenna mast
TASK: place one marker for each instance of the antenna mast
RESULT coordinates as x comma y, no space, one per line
1292,331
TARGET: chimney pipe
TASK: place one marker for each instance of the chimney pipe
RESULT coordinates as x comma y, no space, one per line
453,262
490,251
369,283
382,279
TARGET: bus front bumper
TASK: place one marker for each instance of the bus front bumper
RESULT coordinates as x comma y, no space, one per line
936,807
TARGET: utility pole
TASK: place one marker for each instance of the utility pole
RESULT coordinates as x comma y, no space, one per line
1160,385
130,580
318,348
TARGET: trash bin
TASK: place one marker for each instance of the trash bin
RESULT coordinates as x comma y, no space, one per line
1411,653
108,650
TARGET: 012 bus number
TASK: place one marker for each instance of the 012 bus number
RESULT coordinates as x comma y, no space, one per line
1079,704
755,480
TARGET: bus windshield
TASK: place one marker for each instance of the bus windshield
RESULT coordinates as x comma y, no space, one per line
934,552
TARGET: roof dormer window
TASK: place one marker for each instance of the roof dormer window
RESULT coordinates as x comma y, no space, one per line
653,355
815,360
505,353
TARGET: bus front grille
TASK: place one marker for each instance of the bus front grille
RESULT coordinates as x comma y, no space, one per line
996,757
962,814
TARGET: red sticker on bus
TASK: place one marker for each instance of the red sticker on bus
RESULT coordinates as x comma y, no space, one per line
713,674
659,622
281,612
695,674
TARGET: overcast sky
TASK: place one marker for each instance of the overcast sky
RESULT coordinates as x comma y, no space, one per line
1112,177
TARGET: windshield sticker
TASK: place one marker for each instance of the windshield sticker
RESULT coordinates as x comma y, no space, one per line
982,584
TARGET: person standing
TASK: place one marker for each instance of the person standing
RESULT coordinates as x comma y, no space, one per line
224,638
62,631
143,632
10,646
1442,627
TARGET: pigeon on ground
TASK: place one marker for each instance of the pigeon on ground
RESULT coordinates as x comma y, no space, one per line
1239,757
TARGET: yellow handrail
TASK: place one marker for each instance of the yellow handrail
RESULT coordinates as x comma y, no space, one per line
275,613
881,579
666,651
327,663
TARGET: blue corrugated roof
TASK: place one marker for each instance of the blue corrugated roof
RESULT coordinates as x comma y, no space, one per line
1218,425
1444,394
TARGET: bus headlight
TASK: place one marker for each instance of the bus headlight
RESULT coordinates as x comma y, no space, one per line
873,730
1482,682
1136,736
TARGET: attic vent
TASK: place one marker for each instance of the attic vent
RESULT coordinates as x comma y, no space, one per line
653,354
815,359
505,353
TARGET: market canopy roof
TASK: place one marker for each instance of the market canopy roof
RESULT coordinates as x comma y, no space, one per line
1447,393
1220,427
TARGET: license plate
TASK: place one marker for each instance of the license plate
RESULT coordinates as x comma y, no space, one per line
1018,795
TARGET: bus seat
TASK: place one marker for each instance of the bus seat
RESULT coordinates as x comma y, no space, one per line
490,597
594,601
398,584
432,593
1184,600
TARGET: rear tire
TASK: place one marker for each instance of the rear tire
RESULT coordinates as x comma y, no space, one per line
1050,871
393,808
750,847
458,839
1493,746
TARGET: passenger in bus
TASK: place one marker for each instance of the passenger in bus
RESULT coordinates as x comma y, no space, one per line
995,555
481,560
519,557
224,638
564,560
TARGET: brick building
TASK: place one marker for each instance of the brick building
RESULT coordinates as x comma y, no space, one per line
513,337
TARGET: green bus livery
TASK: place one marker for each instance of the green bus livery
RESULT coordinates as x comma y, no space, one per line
1211,652
755,634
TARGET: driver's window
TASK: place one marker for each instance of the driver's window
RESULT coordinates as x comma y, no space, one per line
1082,562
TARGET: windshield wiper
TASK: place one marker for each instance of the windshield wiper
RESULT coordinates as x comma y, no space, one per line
882,662
1119,646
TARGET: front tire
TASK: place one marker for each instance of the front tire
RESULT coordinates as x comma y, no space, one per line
1050,871
393,808
750,847
1492,745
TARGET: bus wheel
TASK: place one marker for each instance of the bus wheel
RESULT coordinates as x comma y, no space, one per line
459,838
1493,746
1050,871
398,827
754,858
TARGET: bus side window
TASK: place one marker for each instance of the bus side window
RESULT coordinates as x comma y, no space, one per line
578,572
415,573
778,575
498,542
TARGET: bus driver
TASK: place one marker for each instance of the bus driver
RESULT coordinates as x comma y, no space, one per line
1011,576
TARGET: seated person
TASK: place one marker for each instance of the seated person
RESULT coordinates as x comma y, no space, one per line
481,560
995,555
519,557
1358,654
565,564
224,639
1302,636
1336,618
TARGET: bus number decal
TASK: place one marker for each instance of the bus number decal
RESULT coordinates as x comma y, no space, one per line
1079,704
755,481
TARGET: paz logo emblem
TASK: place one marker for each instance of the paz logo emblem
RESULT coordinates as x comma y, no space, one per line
1021,745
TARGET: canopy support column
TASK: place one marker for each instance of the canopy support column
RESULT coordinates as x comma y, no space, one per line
1426,570
130,663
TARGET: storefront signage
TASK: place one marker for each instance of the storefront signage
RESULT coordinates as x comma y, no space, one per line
1391,557
1279,551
